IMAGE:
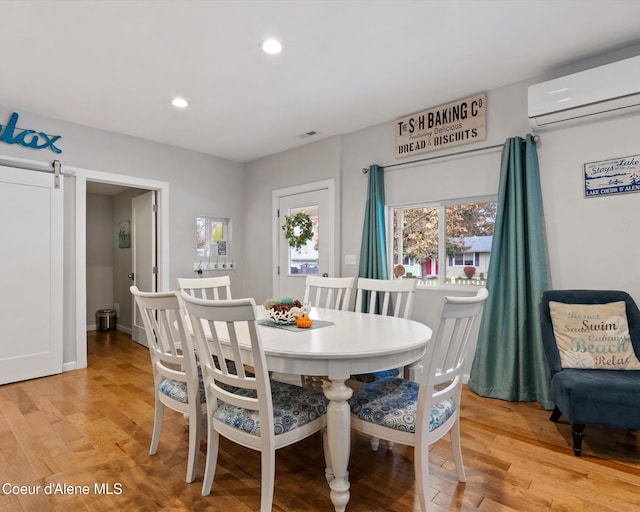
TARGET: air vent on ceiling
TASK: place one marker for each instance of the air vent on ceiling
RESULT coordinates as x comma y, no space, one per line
308,134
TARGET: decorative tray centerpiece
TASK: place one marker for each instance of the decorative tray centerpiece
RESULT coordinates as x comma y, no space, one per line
284,311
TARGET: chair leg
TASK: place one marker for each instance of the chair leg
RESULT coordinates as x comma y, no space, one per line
195,422
421,469
555,415
213,440
268,478
157,427
577,439
456,448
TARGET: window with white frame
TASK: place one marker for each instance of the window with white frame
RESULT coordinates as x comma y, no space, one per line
465,259
443,242
213,236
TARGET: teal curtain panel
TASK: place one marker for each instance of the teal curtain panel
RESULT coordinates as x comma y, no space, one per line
373,252
509,362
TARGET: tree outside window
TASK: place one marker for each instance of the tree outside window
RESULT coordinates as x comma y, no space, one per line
463,230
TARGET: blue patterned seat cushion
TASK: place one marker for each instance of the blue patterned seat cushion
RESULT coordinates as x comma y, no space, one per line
293,406
392,403
178,390
372,377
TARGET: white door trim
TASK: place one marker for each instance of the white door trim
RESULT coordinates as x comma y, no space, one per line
162,199
299,189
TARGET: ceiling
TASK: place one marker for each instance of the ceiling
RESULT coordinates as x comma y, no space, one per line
346,65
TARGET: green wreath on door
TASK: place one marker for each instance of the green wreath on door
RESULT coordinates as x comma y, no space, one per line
298,229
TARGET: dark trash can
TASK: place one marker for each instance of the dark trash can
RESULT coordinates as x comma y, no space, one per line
106,319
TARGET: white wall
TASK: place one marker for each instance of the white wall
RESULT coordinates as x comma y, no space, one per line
99,255
199,185
592,241
344,157
313,162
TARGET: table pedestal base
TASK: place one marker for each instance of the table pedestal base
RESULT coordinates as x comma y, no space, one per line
339,442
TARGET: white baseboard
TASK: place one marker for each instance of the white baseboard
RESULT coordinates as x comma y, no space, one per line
67,367
126,330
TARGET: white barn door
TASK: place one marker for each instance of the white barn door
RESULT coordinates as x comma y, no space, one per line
31,266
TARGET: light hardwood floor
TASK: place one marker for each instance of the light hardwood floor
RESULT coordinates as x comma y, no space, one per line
92,428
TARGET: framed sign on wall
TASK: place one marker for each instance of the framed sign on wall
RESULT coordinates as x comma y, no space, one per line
446,126
614,176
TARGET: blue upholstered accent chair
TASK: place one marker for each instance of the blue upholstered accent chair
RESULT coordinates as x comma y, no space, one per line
608,398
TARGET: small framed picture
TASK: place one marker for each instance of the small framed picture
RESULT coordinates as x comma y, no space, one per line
124,234
222,247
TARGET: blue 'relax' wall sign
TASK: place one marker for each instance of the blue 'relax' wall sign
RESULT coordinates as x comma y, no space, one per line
27,138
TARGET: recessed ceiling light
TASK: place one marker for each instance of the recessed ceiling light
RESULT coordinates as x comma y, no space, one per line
179,103
271,46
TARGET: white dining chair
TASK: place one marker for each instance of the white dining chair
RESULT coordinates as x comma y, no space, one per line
257,413
328,292
175,372
419,414
385,297
217,288
397,296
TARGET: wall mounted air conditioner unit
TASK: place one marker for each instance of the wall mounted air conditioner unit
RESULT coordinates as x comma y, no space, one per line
610,89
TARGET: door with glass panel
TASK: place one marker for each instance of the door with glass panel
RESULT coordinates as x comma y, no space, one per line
315,257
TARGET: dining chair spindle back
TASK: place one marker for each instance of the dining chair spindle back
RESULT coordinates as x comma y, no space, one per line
328,292
175,372
215,288
247,407
386,297
419,414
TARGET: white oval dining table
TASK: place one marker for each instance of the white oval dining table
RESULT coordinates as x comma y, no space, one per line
352,343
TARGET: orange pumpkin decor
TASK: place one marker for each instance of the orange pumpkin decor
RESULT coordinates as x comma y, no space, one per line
304,322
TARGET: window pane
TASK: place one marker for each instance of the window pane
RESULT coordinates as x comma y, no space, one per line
469,239
415,242
306,260
212,237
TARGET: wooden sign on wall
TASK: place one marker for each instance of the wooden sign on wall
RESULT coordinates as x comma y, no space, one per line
446,126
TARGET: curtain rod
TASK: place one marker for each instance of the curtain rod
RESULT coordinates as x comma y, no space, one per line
365,170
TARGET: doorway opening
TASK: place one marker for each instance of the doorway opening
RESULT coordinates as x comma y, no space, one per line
110,249
90,182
